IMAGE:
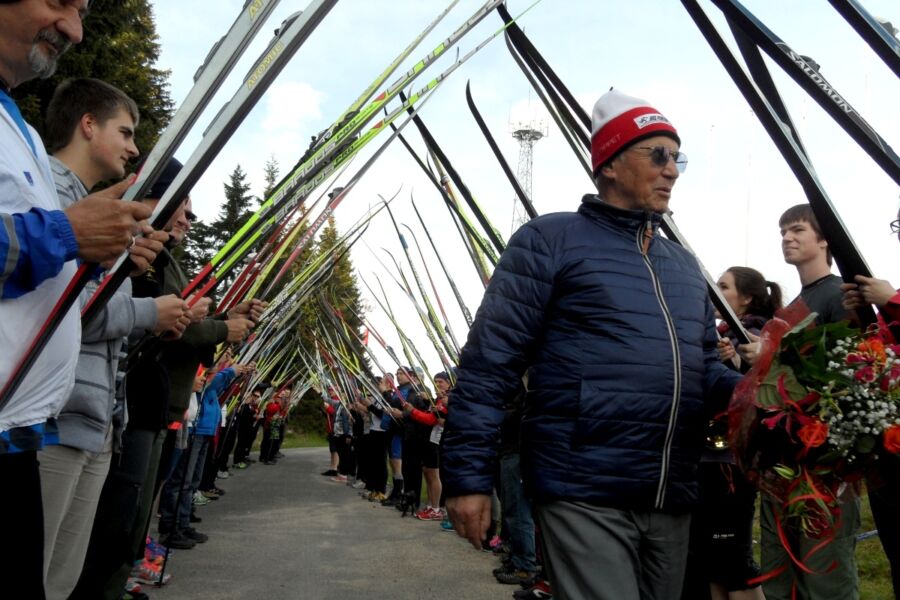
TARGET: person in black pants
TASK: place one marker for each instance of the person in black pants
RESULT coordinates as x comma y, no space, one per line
246,429
416,435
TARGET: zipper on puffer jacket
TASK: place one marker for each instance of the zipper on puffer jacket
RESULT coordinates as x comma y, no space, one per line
676,356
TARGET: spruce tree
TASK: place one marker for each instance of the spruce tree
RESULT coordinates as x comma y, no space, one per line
270,173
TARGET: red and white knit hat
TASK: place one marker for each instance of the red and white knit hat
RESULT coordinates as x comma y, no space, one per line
620,120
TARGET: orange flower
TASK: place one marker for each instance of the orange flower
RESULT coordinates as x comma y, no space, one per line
873,347
814,434
892,439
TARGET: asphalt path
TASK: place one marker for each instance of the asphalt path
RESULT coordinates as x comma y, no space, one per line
284,531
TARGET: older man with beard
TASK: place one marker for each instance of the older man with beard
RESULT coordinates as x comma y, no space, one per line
38,244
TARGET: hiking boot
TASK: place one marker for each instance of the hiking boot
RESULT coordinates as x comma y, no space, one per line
190,532
329,473
176,540
514,576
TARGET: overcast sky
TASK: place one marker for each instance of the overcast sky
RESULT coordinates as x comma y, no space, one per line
727,203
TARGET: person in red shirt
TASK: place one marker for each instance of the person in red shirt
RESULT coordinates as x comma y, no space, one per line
433,418
273,418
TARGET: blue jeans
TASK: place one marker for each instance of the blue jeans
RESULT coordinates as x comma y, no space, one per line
518,523
184,474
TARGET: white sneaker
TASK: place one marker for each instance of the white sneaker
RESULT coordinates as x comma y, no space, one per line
223,475
199,499
358,485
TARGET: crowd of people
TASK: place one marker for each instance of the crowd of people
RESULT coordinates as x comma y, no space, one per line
580,436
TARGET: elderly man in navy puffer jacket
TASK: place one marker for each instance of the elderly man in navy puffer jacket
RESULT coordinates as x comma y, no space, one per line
613,325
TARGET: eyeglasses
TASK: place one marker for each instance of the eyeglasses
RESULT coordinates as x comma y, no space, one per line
895,226
660,155
191,217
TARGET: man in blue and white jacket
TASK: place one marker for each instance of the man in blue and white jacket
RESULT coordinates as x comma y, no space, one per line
613,325
38,245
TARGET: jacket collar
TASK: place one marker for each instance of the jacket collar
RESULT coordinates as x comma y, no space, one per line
594,207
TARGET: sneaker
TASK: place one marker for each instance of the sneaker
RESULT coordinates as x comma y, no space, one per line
446,525
249,460
241,465
390,501
329,473
134,596
358,485
209,494
223,475
340,478
424,514
279,454
539,591
140,573
376,497
218,491
513,576
199,499
194,518
200,538
132,586
177,540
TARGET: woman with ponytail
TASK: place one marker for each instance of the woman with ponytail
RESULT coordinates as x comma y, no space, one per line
723,567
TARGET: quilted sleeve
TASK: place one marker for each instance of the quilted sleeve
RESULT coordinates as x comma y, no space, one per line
501,341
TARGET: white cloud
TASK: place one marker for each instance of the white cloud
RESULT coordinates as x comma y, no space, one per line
291,106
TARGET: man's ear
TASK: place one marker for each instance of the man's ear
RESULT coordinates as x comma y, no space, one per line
87,125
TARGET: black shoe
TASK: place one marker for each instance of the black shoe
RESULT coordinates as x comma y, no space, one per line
390,501
194,518
219,491
329,473
195,535
177,540
249,460
279,454
513,576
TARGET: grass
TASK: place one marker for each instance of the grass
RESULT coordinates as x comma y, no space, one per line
296,439
873,567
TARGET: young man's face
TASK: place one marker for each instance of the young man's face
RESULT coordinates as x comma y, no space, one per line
112,144
402,378
35,33
181,224
800,244
638,182
442,385
254,398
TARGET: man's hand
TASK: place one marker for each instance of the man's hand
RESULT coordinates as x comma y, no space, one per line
251,309
170,312
105,226
238,329
471,516
867,290
200,309
750,352
146,248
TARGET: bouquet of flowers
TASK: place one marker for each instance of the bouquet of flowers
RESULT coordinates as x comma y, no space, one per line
814,413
